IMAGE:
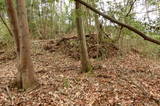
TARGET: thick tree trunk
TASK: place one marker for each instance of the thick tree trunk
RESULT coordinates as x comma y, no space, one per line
25,76
86,66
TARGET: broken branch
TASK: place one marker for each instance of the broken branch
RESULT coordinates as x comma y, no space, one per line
120,23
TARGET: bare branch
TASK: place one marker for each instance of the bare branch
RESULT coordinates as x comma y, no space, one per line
145,37
3,21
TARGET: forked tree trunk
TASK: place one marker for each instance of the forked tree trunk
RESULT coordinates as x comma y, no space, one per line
25,77
86,66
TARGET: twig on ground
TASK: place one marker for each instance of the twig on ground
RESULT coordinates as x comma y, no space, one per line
9,94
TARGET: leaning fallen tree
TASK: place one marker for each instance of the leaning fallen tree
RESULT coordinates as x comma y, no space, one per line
144,36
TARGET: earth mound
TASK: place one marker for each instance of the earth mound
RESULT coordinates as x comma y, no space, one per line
70,46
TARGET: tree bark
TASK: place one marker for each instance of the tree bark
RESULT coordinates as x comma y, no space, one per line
145,37
86,66
25,77
99,29
14,24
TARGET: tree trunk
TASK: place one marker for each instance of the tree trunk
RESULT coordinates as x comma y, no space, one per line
99,29
14,24
86,66
25,77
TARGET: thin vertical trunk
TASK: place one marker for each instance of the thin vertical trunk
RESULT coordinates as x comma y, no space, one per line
86,66
51,28
147,13
14,24
99,33
99,29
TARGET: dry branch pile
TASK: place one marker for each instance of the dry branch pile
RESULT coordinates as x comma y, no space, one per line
70,47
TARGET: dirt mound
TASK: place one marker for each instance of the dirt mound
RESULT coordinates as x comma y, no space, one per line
70,46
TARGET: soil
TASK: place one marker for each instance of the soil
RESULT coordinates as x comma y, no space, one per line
128,80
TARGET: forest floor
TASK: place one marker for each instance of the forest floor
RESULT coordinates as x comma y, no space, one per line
128,80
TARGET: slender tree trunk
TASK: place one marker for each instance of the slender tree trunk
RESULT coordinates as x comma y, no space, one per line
14,24
99,33
99,29
86,66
